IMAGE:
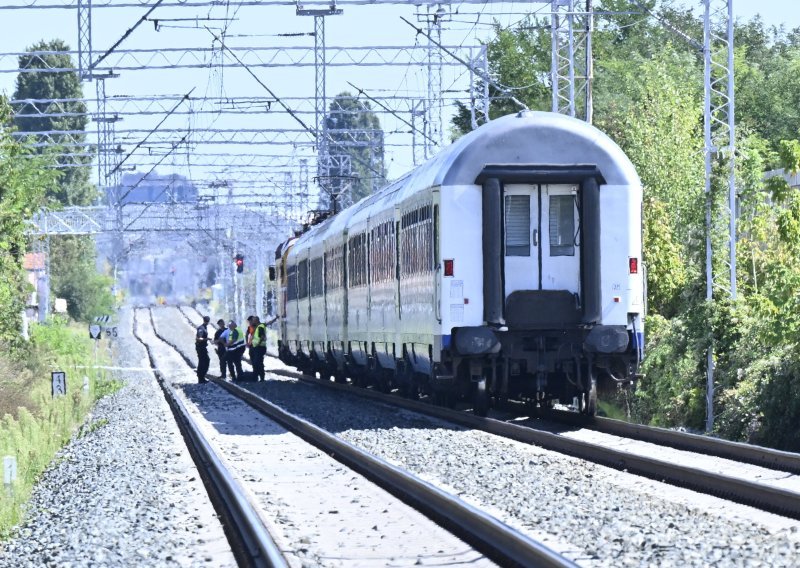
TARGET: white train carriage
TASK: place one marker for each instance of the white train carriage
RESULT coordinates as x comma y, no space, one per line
507,266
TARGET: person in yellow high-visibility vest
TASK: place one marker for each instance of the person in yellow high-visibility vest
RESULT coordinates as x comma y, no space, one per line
234,351
258,348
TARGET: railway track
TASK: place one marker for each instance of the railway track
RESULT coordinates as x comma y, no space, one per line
487,534
738,489
251,542
737,451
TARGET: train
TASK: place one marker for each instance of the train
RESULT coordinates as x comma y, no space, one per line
508,266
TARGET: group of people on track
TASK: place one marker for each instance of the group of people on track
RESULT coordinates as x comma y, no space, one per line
230,345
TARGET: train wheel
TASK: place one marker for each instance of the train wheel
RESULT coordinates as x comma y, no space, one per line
383,380
480,404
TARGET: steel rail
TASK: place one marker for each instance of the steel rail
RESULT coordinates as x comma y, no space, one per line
494,538
747,492
487,534
745,453
738,451
254,546
742,491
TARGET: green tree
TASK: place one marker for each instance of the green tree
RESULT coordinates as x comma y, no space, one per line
519,63
73,187
24,180
355,134
767,79
75,277
73,273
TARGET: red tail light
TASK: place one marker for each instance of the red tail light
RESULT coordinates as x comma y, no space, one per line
449,267
633,264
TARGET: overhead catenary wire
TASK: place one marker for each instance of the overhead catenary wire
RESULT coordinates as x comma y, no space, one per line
125,36
144,140
479,72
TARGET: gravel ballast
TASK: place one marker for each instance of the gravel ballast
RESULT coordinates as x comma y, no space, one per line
321,512
615,518
126,493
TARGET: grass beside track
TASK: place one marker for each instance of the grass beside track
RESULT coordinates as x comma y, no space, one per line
33,424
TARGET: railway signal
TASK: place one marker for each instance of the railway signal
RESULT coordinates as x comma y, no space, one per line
239,260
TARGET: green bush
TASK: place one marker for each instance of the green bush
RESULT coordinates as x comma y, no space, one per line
33,425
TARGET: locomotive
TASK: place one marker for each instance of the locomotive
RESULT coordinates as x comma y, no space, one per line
507,266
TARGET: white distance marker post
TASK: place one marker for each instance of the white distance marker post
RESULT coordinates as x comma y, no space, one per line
59,382
9,473
95,331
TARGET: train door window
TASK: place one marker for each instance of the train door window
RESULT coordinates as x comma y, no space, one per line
562,225
435,235
518,225
291,284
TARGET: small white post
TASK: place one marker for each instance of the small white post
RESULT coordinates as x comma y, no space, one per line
9,473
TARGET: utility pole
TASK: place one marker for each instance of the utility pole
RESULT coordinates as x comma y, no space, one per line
320,95
589,61
719,140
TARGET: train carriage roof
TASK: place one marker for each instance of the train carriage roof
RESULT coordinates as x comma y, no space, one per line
526,138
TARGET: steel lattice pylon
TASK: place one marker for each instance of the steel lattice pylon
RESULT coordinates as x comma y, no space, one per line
434,108
320,94
720,144
84,39
571,56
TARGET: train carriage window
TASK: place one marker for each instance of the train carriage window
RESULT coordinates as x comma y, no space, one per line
357,260
417,236
518,225
316,277
334,269
562,225
302,279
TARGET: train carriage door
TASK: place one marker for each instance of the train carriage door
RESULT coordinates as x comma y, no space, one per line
522,236
560,241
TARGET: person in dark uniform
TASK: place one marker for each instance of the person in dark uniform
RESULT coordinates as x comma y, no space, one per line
219,341
201,345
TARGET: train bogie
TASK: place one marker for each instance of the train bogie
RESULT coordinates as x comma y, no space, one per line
507,266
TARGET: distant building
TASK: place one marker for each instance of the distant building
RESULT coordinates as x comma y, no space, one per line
34,265
153,188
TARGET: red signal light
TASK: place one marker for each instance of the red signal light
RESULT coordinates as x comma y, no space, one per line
449,267
633,265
